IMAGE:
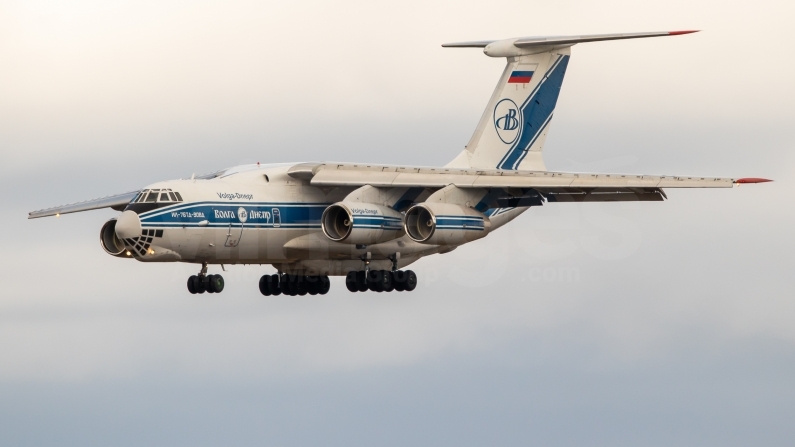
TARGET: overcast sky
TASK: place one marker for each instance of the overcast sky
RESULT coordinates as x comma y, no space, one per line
654,324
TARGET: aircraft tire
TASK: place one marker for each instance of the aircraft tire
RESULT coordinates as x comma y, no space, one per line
191,284
361,281
265,285
399,279
216,284
199,284
411,281
312,283
273,286
300,285
385,282
350,282
375,280
391,276
210,284
292,285
324,285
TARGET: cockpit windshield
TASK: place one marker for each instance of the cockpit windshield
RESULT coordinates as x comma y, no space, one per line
157,196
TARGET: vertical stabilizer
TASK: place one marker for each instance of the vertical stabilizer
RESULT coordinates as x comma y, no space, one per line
514,126
512,130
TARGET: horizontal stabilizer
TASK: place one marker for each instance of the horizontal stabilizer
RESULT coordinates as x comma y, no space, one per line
117,202
529,42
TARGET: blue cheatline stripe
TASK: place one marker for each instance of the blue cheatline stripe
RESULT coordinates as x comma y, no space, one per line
460,223
369,221
257,214
536,112
182,206
237,226
453,216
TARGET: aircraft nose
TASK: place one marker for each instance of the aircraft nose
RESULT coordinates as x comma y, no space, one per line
128,225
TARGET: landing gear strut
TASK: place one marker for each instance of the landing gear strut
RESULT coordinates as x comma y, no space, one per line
205,283
293,285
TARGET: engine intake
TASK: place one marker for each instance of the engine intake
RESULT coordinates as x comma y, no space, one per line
361,223
110,242
445,224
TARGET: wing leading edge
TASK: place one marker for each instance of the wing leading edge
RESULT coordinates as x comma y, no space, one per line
117,202
404,176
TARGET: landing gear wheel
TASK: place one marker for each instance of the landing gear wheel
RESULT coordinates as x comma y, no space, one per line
385,281
391,286
210,284
399,277
199,284
300,285
373,280
411,281
324,285
292,285
361,281
350,282
192,284
265,285
311,284
216,284
273,286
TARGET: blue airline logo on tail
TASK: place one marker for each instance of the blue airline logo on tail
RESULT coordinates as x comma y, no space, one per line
507,117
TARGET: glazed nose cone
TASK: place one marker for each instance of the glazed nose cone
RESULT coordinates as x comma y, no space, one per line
128,225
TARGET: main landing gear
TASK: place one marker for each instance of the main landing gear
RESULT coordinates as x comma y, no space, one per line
293,285
205,283
381,281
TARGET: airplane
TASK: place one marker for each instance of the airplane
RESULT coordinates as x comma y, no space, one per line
368,222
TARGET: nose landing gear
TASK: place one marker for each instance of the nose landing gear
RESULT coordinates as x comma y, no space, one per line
205,283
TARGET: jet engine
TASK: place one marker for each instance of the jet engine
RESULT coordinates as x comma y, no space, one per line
110,242
445,224
361,223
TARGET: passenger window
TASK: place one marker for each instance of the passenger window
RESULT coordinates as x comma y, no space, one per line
152,197
164,197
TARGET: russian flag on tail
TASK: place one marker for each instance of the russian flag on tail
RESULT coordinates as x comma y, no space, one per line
520,77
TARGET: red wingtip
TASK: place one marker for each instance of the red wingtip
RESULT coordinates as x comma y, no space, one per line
752,180
678,33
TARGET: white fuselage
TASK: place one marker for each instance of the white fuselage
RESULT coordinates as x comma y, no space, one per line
258,215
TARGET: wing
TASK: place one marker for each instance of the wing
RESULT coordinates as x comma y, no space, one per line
117,202
553,186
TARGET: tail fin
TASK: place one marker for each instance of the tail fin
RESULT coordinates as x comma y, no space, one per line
514,126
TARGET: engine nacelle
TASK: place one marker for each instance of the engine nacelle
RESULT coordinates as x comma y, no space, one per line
445,224
361,223
110,242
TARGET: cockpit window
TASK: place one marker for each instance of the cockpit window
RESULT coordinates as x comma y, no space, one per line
157,195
